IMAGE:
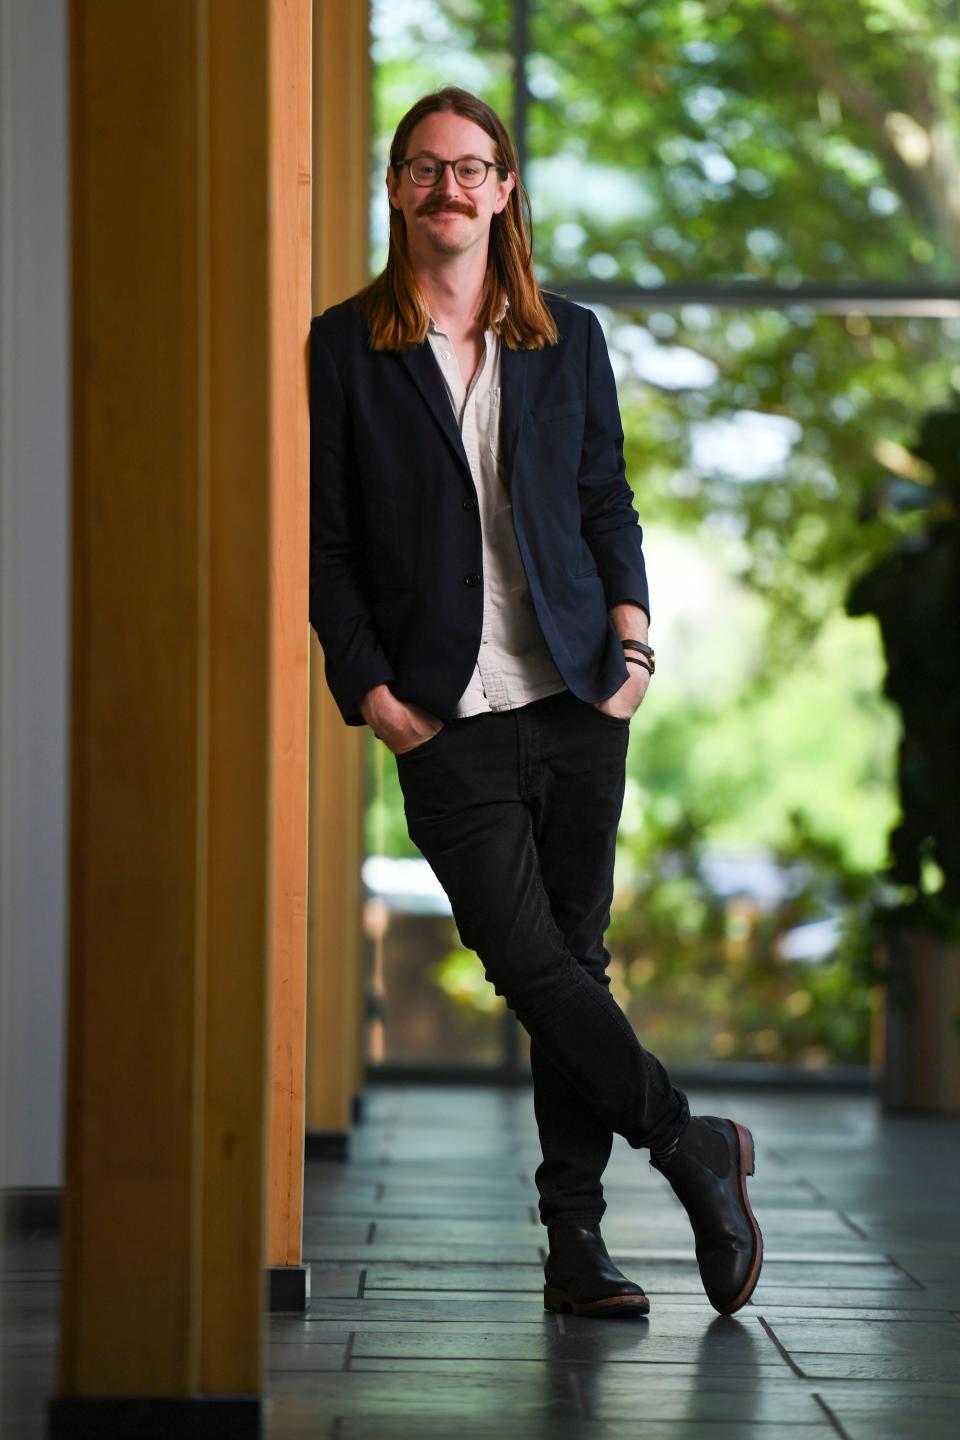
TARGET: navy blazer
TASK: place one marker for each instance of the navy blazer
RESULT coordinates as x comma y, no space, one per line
396,573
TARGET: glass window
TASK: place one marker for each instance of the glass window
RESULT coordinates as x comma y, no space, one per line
677,152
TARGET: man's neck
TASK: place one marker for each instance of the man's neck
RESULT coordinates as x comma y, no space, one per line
452,286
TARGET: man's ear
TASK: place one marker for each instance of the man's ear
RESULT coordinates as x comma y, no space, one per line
510,184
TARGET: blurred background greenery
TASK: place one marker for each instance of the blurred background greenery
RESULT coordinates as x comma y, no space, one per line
761,202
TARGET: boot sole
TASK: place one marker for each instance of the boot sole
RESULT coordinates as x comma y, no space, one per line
746,1165
559,1301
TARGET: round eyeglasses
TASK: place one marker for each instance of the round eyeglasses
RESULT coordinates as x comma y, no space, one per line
470,170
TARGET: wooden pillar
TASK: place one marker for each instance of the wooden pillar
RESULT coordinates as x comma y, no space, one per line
186,448
335,1063
290,168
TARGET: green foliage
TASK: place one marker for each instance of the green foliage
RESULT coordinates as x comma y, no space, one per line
795,769
763,140
709,973
776,440
385,825
816,741
687,141
460,975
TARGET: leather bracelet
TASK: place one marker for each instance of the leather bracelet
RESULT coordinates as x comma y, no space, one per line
635,660
644,650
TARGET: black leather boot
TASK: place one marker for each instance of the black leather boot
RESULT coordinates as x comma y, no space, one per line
582,1279
708,1167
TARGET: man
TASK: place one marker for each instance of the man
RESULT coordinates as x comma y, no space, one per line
478,586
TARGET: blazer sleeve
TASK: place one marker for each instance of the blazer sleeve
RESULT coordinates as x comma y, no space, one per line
609,523
340,613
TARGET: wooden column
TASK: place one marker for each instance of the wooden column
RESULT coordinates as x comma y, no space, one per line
290,168
335,1064
186,448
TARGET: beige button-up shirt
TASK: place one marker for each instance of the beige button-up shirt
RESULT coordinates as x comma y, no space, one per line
514,665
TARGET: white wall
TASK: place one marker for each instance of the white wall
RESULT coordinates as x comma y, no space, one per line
34,586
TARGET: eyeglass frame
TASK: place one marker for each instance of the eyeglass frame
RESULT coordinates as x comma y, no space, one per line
425,155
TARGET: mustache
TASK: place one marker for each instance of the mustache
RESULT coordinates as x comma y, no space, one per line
430,207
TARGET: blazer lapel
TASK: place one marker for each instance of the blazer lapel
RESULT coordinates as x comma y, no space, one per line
425,373
513,394
422,367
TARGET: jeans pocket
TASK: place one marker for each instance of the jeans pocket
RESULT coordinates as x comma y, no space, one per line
424,745
611,719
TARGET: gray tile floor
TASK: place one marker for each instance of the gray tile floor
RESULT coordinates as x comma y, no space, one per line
426,1316
427,1319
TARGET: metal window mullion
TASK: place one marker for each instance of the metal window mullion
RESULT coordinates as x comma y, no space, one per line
930,300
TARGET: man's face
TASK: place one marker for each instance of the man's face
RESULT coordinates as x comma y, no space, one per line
448,218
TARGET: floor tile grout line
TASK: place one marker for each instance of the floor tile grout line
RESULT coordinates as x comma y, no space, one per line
917,1284
857,1229
853,1314
772,1153
768,1329
530,1315
572,1363
907,1319
427,1364
831,1417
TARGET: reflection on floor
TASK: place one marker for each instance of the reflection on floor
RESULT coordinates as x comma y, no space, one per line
427,1319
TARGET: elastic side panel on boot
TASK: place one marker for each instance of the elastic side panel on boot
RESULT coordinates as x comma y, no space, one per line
710,1142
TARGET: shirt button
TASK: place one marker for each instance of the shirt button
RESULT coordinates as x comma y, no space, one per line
445,354
469,502
471,578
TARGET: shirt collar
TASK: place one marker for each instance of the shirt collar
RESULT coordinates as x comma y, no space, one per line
434,329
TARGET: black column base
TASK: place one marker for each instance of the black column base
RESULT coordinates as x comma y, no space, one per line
156,1417
289,1288
327,1145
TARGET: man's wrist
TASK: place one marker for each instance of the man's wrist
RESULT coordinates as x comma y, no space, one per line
632,624
630,621
369,698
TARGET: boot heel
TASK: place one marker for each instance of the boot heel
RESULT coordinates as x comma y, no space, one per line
553,1299
748,1163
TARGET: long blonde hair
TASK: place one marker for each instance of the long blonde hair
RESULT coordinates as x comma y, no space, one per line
394,307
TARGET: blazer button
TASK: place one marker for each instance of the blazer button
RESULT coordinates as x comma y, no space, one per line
471,578
469,502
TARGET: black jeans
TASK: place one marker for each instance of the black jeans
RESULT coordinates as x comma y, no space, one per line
516,812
